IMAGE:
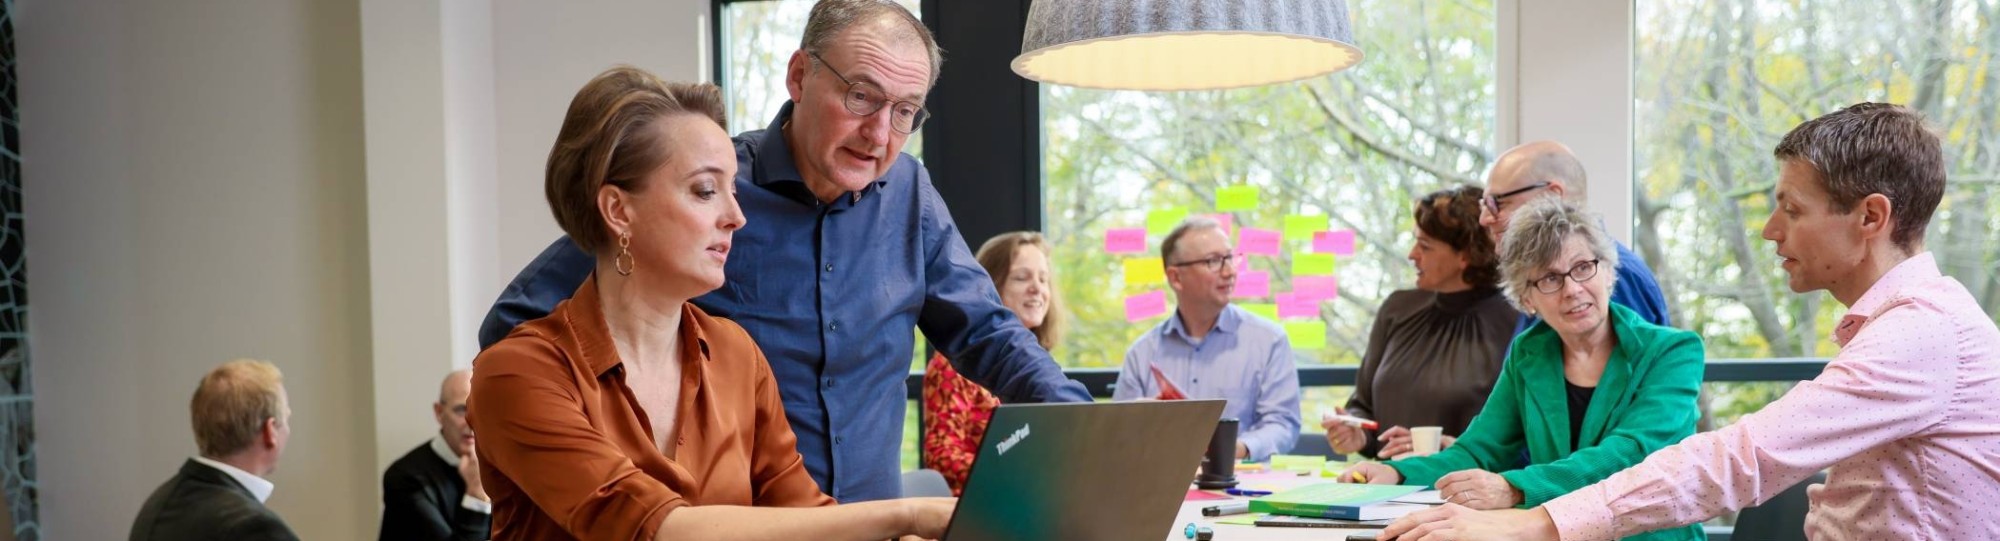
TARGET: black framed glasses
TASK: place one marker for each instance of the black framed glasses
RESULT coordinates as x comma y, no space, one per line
1214,264
1553,282
1492,201
866,99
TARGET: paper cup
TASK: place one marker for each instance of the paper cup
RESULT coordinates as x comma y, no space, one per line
1424,440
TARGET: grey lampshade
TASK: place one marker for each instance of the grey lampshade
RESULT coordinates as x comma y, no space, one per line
1184,44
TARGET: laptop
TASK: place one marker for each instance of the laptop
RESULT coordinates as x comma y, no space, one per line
1108,471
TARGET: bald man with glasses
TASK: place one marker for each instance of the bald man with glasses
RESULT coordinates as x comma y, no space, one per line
1549,169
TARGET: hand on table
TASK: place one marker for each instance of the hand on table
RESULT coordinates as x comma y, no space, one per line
1478,489
1453,522
1374,473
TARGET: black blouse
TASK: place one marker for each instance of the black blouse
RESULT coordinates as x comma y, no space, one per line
1432,359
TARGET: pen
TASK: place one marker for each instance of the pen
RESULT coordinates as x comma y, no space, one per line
1231,508
1233,491
1348,420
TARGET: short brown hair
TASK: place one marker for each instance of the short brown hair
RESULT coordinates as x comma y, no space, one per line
1871,148
232,403
612,135
1172,243
997,256
829,18
1451,215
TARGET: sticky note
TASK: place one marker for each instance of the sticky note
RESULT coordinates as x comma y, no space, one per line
1312,264
1306,334
1236,198
1162,221
1317,287
1125,241
1261,309
1257,241
1298,463
1302,226
1252,285
1141,271
1334,242
1145,305
1226,219
1291,305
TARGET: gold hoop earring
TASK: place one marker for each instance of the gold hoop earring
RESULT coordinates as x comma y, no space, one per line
624,261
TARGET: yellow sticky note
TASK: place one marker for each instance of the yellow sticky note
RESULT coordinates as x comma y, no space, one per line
1312,264
1162,221
1306,334
1262,309
1141,271
1236,198
1302,226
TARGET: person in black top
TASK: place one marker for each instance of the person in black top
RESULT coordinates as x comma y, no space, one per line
242,421
1434,351
433,493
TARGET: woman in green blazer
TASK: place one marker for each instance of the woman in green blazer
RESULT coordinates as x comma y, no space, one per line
1589,390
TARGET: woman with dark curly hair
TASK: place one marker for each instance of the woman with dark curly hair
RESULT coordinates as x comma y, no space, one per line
1446,337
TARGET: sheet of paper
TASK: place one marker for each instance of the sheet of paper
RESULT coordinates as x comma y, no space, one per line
1312,264
1306,334
1162,221
1257,241
1243,197
1144,271
1314,287
1145,305
1262,309
1125,241
1292,305
1252,285
1302,226
1339,242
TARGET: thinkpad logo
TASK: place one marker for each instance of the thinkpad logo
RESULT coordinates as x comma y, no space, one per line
1012,439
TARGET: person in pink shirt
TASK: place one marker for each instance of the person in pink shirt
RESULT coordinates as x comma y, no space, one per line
1907,415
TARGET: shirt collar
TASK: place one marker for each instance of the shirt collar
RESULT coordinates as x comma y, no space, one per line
1913,270
443,450
775,165
257,486
1225,322
585,317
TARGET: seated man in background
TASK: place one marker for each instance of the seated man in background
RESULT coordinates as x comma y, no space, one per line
1210,348
433,492
241,423
1906,415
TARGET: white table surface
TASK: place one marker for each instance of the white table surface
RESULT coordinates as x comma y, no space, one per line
1191,512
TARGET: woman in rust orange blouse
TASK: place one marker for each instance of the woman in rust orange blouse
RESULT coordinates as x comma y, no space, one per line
956,409
628,413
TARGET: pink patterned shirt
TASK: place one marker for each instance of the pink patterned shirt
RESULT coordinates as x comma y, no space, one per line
1907,416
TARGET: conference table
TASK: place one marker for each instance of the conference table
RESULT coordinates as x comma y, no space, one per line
1191,512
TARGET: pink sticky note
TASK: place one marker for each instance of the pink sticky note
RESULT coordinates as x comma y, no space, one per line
1339,242
1257,241
1145,305
1318,288
1125,241
1252,285
1296,305
1226,219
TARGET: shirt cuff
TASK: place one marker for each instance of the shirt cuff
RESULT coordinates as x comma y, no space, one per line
476,505
1582,515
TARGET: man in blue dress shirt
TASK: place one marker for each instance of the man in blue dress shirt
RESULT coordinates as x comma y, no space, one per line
1210,348
1550,169
846,248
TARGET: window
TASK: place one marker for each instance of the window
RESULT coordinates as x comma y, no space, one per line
1717,84
1357,147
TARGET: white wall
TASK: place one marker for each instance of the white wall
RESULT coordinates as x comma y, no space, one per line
193,194
1566,74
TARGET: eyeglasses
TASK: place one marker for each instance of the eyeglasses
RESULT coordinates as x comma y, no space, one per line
1215,264
1492,201
1553,282
866,99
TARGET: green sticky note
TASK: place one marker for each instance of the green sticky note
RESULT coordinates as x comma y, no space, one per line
1236,198
1162,221
1262,309
1302,226
1312,264
1240,520
1306,334
1298,463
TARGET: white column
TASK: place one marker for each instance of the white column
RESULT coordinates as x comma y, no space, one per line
1566,74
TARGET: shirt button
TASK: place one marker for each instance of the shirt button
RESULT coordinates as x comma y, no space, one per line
828,382
829,267
837,440
835,326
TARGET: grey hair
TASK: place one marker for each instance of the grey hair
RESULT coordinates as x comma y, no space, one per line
831,17
1536,236
1173,240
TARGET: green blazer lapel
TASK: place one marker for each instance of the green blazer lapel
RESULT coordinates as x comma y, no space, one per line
1615,386
1548,401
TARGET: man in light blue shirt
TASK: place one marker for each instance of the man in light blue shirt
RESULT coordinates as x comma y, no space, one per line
1212,349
